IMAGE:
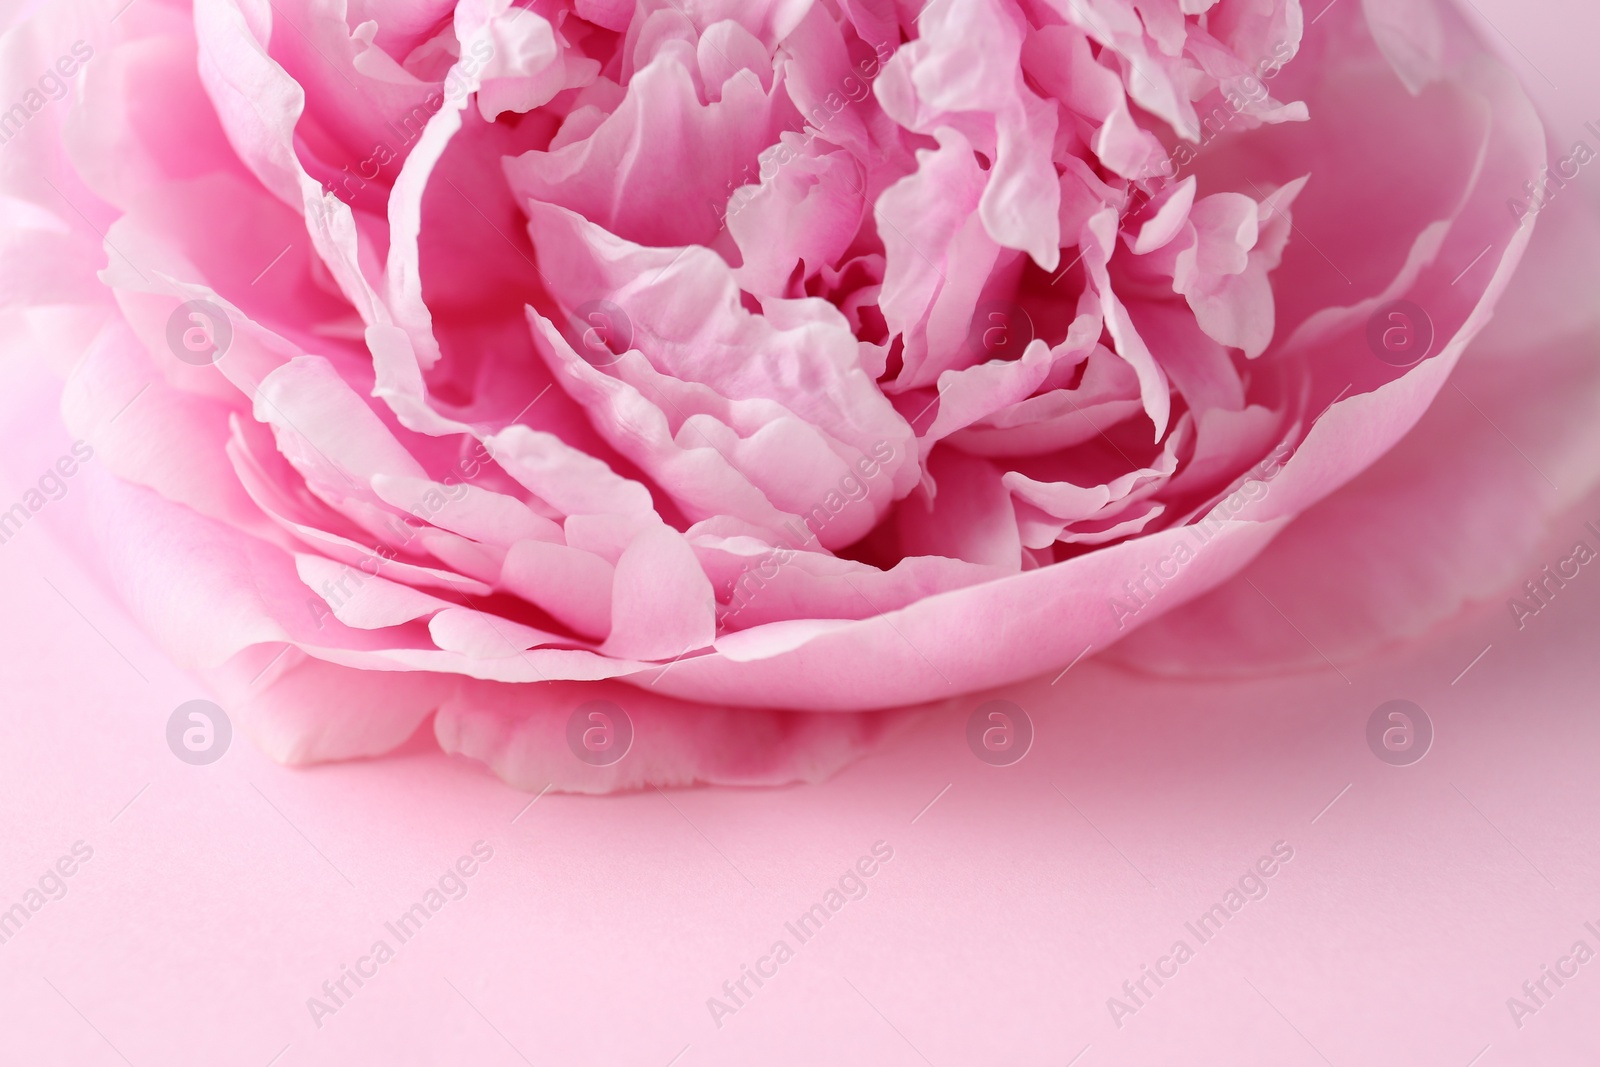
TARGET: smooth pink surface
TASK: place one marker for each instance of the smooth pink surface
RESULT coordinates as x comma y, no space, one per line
216,902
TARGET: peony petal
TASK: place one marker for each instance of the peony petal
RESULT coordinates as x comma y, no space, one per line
521,732
661,601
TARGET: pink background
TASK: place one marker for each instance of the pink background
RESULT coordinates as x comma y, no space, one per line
220,898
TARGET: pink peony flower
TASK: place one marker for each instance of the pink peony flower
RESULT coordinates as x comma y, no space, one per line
731,366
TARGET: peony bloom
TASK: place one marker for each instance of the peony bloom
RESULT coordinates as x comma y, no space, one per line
757,368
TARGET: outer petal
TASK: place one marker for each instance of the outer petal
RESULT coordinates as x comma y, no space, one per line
302,710
521,733
1451,515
